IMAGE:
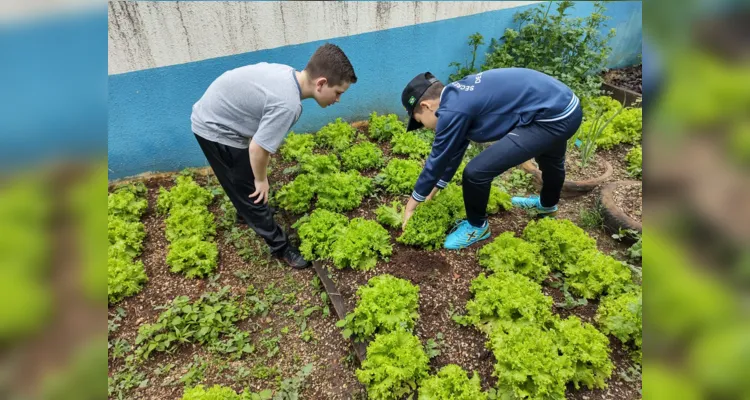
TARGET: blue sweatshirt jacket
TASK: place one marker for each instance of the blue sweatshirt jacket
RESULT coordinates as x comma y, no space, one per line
484,108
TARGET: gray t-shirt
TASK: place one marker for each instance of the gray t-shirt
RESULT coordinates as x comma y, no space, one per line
260,101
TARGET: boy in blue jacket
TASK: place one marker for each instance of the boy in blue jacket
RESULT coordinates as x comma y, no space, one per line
526,113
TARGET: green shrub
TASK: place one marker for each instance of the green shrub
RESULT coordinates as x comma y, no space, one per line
399,176
383,127
360,245
296,146
574,50
560,241
337,135
362,156
451,383
395,364
385,304
635,162
508,253
408,143
504,300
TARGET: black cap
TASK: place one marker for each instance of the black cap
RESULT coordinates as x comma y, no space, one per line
412,93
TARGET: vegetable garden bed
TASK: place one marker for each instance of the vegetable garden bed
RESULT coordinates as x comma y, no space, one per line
284,339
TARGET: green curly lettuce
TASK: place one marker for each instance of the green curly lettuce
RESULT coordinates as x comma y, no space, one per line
508,253
395,364
360,245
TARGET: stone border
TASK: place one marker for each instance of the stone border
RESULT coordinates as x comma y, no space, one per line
571,188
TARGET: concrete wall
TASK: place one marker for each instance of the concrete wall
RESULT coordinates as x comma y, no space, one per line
163,55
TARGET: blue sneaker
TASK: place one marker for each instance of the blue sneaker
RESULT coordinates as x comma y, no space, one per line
532,203
464,235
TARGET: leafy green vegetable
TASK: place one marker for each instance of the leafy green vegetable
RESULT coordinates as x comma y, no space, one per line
395,364
127,234
337,135
560,241
505,300
318,232
296,146
186,222
408,143
126,203
627,127
452,197
427,226
192,256
383,127
319,164
391,215
204,321
297,195
499,200
621,315
385,304
342,191
185,192
530,363
215,392
399,176
596,273
588,349
362,156
125,278
508,253
634,158
451,383
361,244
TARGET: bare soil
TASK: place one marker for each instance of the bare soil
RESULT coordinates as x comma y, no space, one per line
628,77
629,198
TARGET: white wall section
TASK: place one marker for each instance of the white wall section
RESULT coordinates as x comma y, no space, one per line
146,35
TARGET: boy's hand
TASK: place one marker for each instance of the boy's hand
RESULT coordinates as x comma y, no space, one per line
411,205
261,191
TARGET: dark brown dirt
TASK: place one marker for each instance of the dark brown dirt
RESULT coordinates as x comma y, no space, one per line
630,200
628,77
574,172
444,278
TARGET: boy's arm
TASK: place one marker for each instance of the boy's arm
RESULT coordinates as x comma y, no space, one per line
271,133
450,139
452,167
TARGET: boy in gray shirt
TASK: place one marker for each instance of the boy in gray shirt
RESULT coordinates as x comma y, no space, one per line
244,117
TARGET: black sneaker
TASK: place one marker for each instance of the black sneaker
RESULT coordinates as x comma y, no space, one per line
293,258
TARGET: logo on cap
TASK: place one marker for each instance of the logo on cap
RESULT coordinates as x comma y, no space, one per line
412,99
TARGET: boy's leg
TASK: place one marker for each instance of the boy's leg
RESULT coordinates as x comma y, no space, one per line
552,165
232,168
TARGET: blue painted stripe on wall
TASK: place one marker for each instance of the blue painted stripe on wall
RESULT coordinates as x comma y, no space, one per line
149,110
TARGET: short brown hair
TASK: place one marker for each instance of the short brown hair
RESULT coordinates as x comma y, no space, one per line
330,62
432,92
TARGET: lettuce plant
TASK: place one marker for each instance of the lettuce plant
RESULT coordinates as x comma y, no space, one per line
408,143
595,273
342,191
634,158
318,232
392,215
337,135
362,156
125,278
451,383
560,241
399,176
588,349
427,226
296,146
508,253
395,364
297,195
621,315
499,200
504,300
185,192
319,164
383,127
193,256
360,245
385,304
187,222
125,232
